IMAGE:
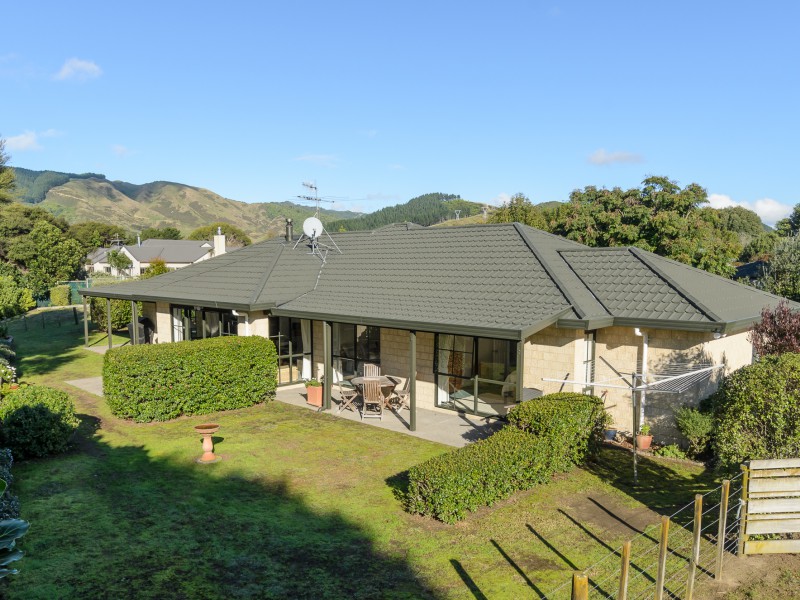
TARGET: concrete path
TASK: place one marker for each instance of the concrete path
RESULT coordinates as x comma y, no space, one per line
445,427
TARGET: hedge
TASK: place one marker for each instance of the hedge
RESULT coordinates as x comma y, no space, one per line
568,419
757,412
37,421
164,381
544,436
61,295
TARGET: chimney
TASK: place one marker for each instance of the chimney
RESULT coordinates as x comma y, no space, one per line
219,242
138,240
289,232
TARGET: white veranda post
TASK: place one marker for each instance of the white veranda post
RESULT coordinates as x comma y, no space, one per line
305,334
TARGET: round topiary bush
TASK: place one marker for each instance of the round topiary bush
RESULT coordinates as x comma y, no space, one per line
757,411
37,421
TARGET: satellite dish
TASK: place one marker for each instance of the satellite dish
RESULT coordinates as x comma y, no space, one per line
312,227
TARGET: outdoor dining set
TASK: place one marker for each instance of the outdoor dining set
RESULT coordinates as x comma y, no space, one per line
372,392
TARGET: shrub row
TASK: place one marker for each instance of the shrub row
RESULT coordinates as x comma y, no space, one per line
37,421
164,381
61,295
545,436
9,503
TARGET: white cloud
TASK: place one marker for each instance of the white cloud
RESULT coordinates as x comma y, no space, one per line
768,209
78,70
500,199
120,150
323,160
23,142
602,157
29,140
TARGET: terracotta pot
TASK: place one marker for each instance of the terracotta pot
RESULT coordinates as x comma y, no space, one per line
314,395
643,442
13,386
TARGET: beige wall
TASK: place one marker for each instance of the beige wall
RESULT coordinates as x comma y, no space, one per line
163,323
553,353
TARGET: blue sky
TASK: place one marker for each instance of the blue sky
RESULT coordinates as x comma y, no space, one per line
380,102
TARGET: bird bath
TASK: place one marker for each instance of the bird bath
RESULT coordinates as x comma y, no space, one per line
206,430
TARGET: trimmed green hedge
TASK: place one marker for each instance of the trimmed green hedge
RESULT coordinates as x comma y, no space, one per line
545,436
61,295
568,419
164,381
37,421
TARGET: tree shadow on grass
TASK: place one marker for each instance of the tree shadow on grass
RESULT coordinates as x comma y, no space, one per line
116,522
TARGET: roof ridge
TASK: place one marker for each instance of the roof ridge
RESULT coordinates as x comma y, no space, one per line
586,285
262,283
639,254
547,269
182,271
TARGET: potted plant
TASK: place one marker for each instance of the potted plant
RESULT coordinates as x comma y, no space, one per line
609,431
314,392
644,439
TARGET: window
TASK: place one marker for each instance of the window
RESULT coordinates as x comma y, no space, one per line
476,375
353,345
292,339
193,323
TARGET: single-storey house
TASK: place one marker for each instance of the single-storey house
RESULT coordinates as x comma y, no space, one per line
177,254
477,317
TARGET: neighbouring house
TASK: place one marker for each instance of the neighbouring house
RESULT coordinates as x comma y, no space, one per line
177,254
478,317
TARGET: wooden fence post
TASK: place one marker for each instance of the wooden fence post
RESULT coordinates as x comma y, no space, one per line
662,558
622,594
580,586
723,525
743,508
698,526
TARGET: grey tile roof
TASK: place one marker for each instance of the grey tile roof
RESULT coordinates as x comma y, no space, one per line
171,251
501,280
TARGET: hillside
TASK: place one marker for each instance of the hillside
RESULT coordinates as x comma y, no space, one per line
427,209
92,197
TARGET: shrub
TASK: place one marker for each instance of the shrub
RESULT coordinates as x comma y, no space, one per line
6,353
545,436
696,427
121,313
9,503
449,485
61,295
670,451
570,420
777,332
757,411
37,421
164,381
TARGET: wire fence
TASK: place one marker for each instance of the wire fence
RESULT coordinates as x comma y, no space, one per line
669,558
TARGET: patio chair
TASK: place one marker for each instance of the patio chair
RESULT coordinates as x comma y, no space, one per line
372,403
401,395
346,396
371,370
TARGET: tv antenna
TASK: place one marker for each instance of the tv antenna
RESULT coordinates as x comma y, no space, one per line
312,232
312,186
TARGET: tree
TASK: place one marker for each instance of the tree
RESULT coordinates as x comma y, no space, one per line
6,175
782,275
47,256
790,225
519,210
659,217
157,267
778,331
119,260
94,234
760,247
234,237
740,220
14,299
164,233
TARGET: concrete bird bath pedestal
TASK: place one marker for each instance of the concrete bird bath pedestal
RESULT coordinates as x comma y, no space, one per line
207,430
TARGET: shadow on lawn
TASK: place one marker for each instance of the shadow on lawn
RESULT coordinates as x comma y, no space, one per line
144,527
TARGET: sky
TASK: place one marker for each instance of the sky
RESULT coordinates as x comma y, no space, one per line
380,102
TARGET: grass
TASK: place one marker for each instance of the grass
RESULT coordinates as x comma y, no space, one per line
302,505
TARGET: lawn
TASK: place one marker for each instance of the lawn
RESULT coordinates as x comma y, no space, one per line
302,505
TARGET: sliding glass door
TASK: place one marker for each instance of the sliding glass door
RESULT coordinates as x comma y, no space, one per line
353,345
292,339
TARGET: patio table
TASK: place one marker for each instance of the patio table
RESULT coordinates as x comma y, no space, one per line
385,383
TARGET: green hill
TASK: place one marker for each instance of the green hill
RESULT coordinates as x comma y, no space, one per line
92,197
427,209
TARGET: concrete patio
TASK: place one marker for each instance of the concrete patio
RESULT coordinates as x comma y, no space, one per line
450,428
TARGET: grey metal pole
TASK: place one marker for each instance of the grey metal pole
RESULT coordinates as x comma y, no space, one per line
520,368
412,367
135,319
85,323
108,318
327,334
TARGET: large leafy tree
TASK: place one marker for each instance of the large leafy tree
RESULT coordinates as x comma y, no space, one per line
234,237
6,175
782,275
660,217
790,225
94,234
160,233
520,210
46,255
119,260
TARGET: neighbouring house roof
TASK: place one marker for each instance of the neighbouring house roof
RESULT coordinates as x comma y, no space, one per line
170,251
752,270
505,280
